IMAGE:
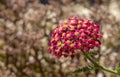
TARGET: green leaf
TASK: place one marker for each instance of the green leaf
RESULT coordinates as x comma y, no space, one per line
93,53
118,68
84,69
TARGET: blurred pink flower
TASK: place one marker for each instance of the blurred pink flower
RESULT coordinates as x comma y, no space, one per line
74,34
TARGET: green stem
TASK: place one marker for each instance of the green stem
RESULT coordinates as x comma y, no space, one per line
98,65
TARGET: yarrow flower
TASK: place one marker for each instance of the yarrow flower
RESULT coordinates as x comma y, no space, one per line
74,34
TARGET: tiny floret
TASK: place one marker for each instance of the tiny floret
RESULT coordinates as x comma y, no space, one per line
74,34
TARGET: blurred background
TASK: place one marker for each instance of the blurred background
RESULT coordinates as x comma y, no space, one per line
26,26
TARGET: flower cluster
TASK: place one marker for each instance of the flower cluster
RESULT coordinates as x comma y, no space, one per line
74,34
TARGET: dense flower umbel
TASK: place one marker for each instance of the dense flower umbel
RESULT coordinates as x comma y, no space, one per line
74,34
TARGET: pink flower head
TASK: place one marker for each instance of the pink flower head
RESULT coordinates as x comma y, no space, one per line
74,34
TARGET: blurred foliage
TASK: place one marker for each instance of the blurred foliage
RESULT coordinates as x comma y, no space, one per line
26,26
118,68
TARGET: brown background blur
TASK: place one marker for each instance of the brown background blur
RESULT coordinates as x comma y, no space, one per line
26,26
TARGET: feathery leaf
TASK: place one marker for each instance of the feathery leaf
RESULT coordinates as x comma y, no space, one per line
84,69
